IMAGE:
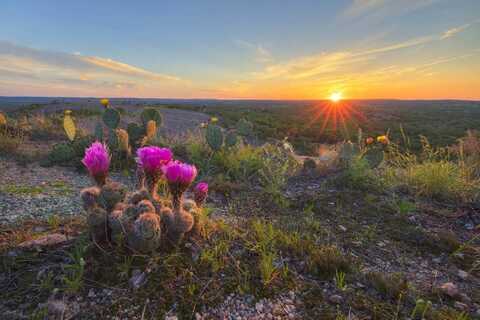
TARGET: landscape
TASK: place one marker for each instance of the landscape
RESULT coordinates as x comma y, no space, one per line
261,180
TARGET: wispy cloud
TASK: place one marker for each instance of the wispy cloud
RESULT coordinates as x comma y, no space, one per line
261,53
383,8
453,31
29,67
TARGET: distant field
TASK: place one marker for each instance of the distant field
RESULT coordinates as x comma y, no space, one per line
305,123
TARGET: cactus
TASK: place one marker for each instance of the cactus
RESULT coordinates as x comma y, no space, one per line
69,125
144,217
3,119
135,133
231,139
151,129
111,118
374,156
151,114
214,136
146,234
347,152
244,128
99,131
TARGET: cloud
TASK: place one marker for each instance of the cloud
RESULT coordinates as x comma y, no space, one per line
33,68
453,31
383,8
261,53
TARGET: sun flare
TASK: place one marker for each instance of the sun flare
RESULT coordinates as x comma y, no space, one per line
336,96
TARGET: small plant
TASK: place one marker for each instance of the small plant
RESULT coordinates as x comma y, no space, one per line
75,271
340,280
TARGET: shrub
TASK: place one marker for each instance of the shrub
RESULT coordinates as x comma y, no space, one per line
10,139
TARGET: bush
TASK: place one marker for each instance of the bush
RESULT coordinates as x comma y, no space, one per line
68,153
10,140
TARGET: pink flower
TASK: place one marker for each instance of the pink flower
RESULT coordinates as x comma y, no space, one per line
181,173
200,192
201,187
152,159
97,161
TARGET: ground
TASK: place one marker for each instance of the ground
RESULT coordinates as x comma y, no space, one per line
330,250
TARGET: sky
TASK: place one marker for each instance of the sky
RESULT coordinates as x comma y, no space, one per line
248,49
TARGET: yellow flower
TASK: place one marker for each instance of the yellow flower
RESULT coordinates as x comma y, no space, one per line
104,102
383,139
369,140
214,119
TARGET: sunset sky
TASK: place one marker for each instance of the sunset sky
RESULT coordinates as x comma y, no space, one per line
263,49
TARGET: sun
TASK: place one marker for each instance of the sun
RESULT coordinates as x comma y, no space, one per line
335,96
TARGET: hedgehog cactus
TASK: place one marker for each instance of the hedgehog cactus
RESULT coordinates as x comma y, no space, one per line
141,219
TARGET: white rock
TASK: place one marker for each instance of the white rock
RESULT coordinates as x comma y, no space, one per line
449,289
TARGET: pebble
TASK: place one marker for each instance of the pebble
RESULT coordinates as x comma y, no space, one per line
462,274
449,289
337,299
460,306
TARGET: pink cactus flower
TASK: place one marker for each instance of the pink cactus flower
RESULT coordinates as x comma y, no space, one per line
152,159
181,173
200,192
97,161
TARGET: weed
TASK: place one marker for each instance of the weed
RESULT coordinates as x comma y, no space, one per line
74,278
326,261
391,286
339,279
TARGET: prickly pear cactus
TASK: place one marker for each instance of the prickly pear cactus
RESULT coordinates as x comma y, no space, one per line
3,119
244,128
135,133
347,152
374,156
231,139
99,132
69,125
214,136
151,129
111,118
151,114
112,139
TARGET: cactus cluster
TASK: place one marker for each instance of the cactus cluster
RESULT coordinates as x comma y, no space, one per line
142,220
134,135
217,137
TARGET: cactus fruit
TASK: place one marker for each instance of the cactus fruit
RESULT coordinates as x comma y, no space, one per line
89,197
146,233
69,125
3,119
151,129
231,139
111,194
111,118
151,114
214,136
123,141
